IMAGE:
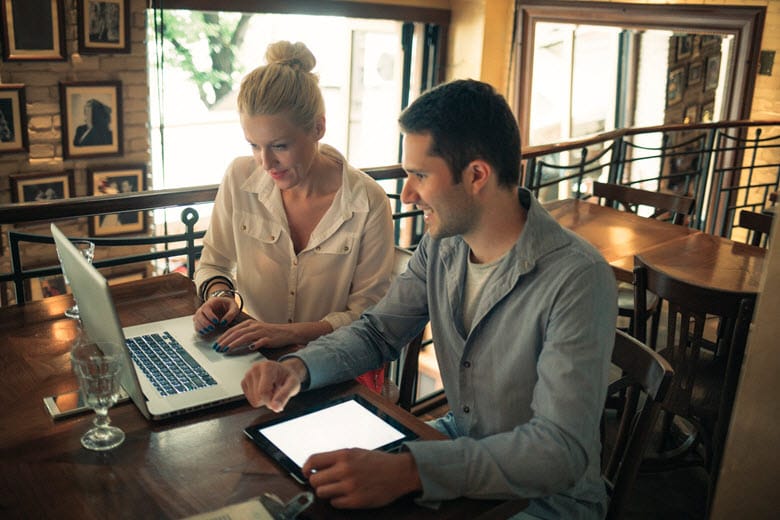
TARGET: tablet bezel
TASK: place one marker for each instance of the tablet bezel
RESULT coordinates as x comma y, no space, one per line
275,453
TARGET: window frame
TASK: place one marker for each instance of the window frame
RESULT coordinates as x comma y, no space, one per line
745,23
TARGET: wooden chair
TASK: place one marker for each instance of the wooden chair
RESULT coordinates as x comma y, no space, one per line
706,370
675,207
645,379
758,224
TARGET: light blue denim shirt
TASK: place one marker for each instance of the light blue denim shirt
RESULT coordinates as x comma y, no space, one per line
526,385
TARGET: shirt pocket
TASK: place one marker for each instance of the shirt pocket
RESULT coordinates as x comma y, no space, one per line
257,227
339,244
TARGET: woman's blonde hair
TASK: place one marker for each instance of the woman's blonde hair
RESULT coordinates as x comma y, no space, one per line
285,84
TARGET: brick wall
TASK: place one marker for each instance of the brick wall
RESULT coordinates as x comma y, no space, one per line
41,80
41,89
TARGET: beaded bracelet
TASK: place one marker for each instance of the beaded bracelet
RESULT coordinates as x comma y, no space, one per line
229,292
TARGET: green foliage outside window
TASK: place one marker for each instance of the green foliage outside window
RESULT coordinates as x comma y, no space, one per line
205,45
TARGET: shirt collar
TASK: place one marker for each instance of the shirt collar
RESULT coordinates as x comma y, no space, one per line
351,197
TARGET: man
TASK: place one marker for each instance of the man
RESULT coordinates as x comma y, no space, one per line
523,315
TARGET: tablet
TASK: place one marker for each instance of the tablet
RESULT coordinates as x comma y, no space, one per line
347,422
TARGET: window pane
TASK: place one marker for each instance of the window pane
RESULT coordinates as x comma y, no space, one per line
359,65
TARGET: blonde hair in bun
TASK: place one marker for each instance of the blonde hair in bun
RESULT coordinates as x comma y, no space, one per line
285,84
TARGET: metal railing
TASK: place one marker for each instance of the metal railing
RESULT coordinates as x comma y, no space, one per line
725,166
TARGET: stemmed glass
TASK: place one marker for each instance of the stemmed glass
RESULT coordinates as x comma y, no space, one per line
98,368
87,249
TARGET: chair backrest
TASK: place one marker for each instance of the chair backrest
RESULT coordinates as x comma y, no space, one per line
689,307
679,206
759,225
644,373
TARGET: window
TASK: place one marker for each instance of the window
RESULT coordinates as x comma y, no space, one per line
369,68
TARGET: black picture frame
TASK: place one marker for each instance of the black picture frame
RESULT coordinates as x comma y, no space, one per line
103,26
674,86
111,180
13,119
684,46
712,72
41,186
695,73
33,30
101,101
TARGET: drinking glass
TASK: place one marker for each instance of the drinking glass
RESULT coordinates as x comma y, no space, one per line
87,249
98,367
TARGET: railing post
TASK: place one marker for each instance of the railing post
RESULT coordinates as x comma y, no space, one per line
16,267
189,216
617,161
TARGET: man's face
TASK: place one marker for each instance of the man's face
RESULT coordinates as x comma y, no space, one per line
448,207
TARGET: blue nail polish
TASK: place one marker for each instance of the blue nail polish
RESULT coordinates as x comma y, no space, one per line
210,328
214,321
223,323
215,346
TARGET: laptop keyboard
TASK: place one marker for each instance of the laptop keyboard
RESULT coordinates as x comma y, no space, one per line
170,368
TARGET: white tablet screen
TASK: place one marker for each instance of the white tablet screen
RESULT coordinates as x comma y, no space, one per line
343,425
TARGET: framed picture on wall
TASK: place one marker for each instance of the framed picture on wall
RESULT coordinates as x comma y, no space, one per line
33,30
684,46
712,73
13,118
46,286
114,180
91,118
695,73
124,277
41,187
674,86
103,26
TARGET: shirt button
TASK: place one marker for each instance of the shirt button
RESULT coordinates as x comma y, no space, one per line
289,320
295,261
317,248
467,364
346,248
273,237
466,409
292,293
243,227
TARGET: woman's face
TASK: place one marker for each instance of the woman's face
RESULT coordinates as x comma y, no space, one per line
284,150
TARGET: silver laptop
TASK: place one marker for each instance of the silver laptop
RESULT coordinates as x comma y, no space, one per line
201,377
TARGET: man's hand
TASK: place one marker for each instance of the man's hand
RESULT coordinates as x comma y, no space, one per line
272,384
356,478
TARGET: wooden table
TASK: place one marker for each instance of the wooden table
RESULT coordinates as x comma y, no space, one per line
618,235
710,261
171,469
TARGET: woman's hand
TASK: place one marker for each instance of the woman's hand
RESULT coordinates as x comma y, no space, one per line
252,335
215,312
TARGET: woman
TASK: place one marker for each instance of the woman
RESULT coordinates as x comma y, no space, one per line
96,129
300,238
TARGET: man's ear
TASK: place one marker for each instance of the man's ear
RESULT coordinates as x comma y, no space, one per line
477,174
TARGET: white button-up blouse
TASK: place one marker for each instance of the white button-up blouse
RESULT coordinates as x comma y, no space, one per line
345,267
